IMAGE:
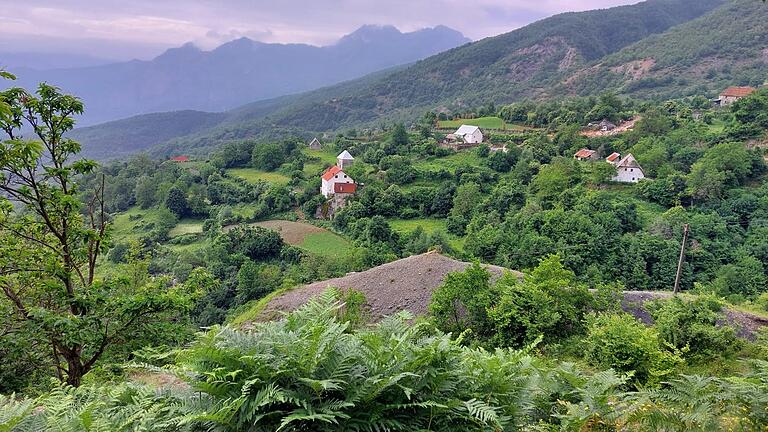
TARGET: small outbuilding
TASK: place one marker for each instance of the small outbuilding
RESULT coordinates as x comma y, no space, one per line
469,134
315,144
585,154
344,160
733,94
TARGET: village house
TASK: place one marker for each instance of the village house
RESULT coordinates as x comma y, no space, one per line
469,134
733,94
585,154
315,144
335,182
180,159
603,126
628,170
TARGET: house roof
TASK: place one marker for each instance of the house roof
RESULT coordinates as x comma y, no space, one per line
465,130
345,156
584,153
628,161
606,122
613,157
180,159
314,140
330,172
737,91
342,188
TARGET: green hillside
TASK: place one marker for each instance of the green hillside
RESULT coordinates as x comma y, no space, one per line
726,47
525,63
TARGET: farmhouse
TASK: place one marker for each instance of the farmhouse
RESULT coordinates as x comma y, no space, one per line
732,94
469,134
315,144
585,154
335,180
180,159
344,160
628,170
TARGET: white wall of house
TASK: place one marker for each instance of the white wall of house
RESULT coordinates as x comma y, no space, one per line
475,137
326,188
628,175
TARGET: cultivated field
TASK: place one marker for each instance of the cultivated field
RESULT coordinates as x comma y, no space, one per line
314,239
252,175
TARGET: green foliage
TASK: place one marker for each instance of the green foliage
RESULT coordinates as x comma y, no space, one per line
547,303
461,302
176,202
695,326
621,342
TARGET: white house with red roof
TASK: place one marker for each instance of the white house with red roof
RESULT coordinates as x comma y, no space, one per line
335,181
585,154
733,94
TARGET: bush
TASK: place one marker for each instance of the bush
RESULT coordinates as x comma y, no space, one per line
621,342
462,301
695,326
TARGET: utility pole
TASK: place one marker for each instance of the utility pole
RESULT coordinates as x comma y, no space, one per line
680,261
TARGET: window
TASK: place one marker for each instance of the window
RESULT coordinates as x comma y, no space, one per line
631,170
337,176
345,176
633,179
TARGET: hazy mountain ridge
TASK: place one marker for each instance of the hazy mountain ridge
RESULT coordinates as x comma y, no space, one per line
568,54
238,72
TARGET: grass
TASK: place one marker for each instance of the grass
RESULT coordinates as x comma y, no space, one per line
325,156
405,226
462,158
252,175
187,226
134,222
326,244
482,122
430,226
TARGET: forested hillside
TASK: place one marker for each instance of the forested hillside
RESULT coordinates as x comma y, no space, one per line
526,63
702,57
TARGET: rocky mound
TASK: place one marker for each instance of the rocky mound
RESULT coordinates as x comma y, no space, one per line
405,284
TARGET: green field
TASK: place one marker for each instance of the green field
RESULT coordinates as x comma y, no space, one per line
405,226
187,226
450,163
134,222
326,244
326,158
252,175
483,122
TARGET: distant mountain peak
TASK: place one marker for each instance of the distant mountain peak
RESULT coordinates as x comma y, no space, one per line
188,50
369,33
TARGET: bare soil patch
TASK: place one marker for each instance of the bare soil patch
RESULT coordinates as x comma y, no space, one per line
623,127
405,284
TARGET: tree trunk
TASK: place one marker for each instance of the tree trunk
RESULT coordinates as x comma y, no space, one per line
75,371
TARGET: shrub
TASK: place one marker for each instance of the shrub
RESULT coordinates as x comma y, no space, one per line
621,342
696,326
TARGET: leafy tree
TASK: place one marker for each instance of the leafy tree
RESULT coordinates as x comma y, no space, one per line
267,157
50,250
462,301
176,202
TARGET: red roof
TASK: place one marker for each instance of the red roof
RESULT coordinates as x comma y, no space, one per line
330,172
180,159
613,157
342,188
738,91
584,153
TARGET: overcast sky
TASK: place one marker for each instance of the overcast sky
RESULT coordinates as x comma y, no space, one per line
123,29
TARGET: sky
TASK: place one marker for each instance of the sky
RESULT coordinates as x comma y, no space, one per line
125,29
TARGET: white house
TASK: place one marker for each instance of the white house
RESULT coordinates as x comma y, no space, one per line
315,144
344,160
470,134
336,181
628,170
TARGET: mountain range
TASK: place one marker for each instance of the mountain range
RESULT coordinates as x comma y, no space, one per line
653,50
237,72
